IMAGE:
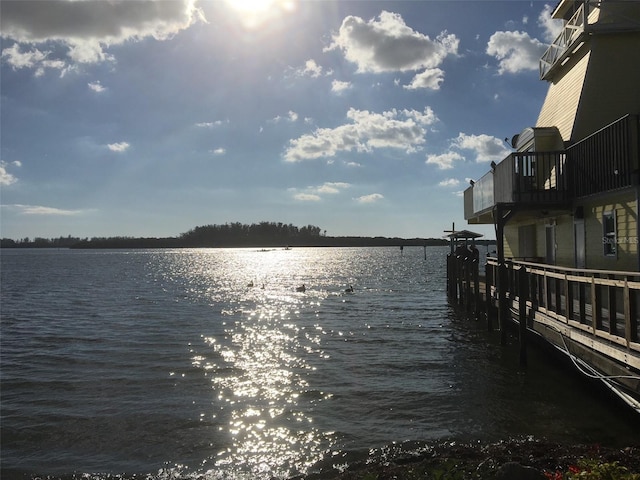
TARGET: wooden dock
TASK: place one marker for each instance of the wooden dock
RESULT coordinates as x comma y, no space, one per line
589,315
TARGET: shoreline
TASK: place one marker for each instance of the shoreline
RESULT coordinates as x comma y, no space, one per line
483,461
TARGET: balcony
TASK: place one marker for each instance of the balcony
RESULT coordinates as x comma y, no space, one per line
606,161
537,178
565,44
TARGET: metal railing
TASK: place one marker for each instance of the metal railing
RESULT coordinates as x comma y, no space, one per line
606,160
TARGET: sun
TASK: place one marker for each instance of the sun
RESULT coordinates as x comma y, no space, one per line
254,13
251,6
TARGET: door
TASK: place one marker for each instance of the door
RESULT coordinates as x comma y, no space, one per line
550,235
579,242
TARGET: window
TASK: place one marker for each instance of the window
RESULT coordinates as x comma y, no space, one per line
609,239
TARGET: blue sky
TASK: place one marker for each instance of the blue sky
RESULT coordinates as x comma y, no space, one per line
148,118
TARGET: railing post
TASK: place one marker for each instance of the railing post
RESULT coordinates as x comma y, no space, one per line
613,314
523,288
558,295
568,298
596,313
581,303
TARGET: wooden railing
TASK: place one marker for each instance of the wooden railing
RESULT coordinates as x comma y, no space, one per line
604,304
562,46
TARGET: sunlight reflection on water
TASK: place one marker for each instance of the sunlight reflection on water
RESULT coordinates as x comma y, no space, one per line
257,365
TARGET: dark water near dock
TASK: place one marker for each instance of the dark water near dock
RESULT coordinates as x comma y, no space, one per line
152,361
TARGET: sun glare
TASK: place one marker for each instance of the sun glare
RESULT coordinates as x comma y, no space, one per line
253,13
251,6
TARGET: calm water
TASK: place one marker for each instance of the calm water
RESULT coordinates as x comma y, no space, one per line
169,362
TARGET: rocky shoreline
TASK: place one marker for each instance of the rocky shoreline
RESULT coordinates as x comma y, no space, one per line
505,460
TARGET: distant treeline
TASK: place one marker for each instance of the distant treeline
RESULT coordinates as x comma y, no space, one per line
263,234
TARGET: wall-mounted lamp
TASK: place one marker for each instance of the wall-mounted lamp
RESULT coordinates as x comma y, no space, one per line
493,166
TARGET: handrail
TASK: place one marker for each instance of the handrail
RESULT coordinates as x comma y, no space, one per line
561,46
602,303
546,266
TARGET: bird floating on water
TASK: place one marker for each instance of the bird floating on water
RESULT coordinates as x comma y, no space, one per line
349,290
301,288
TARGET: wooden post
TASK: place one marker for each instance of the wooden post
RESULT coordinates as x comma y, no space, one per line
582,303
523,287
613,311
460,277
568,298
596,313
476,287
487,292
467,284
502,277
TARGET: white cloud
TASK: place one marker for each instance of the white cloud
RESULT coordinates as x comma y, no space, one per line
118,147
307,197
219,151
332,187
310,69
485,147
290,117
430,79
48,211
217,123
338,86
552,27
444,161
86,28
449,182
314,193
515,51
7,178
33,59
404,130
96,87
372,198
387,44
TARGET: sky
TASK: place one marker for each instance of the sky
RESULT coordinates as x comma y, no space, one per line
148,118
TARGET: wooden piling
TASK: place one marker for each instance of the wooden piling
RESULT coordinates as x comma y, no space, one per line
523,288
488,298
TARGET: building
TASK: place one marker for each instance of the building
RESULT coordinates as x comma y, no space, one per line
568,195
565,203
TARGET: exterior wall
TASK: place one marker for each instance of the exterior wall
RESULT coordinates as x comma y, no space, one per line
563,97
565,242
612,57
626,215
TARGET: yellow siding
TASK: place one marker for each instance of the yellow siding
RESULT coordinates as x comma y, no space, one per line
613,57
627,240
565,251
561,104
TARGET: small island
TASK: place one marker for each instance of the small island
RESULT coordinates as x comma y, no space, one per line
263,234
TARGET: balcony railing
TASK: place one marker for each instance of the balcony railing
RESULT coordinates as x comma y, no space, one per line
563,46
605,161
